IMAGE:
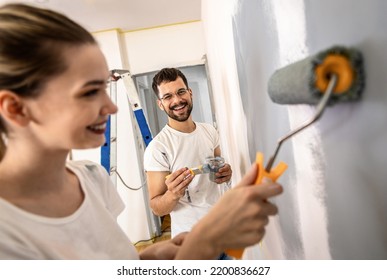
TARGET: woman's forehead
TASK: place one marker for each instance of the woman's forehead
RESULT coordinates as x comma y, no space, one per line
87,62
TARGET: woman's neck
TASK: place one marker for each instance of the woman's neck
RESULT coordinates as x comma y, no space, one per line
41,185
32,170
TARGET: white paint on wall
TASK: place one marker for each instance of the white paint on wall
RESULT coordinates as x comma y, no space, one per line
306,192
310,185
217,21
225,85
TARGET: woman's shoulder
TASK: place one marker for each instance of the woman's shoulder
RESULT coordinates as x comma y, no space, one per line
96,180
88,169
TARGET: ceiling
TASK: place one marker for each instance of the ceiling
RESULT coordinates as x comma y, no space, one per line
98,15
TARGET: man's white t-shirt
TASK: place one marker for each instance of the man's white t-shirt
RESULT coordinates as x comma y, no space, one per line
171,150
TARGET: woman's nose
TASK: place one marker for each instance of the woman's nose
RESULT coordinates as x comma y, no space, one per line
110,108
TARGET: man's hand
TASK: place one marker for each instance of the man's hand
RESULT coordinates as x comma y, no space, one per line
178,181
224,174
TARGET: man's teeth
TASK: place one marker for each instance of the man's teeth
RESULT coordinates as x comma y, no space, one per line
98,127
180,107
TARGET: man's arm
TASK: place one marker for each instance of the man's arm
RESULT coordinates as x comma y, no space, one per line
166,189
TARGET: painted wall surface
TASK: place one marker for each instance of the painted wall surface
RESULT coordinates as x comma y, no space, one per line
335,200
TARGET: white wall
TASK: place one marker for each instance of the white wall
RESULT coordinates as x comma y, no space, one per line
174,45
335,200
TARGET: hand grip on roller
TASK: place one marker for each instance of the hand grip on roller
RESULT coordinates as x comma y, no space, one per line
263,172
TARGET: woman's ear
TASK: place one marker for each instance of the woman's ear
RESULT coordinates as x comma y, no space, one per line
13,108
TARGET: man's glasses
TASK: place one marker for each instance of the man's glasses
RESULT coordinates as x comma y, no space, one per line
180,93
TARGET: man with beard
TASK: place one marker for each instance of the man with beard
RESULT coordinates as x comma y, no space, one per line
180,144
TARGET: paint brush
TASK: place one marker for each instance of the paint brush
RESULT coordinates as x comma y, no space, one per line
201,169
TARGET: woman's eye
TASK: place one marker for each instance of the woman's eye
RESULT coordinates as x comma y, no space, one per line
91,92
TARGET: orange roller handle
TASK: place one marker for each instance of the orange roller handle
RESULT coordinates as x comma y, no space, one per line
335,64
273,175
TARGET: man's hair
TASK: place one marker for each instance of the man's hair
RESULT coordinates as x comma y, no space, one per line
166,75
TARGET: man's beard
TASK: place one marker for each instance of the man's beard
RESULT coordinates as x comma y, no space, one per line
180,118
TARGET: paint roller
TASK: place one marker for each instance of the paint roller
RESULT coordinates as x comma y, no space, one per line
331,76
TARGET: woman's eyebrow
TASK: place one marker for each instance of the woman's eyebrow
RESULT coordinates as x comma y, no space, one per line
95,83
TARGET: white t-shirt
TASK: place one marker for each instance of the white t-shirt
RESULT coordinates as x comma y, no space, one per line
171,150
91,232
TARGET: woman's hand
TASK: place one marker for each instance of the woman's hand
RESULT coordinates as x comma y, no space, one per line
237,220
164,250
